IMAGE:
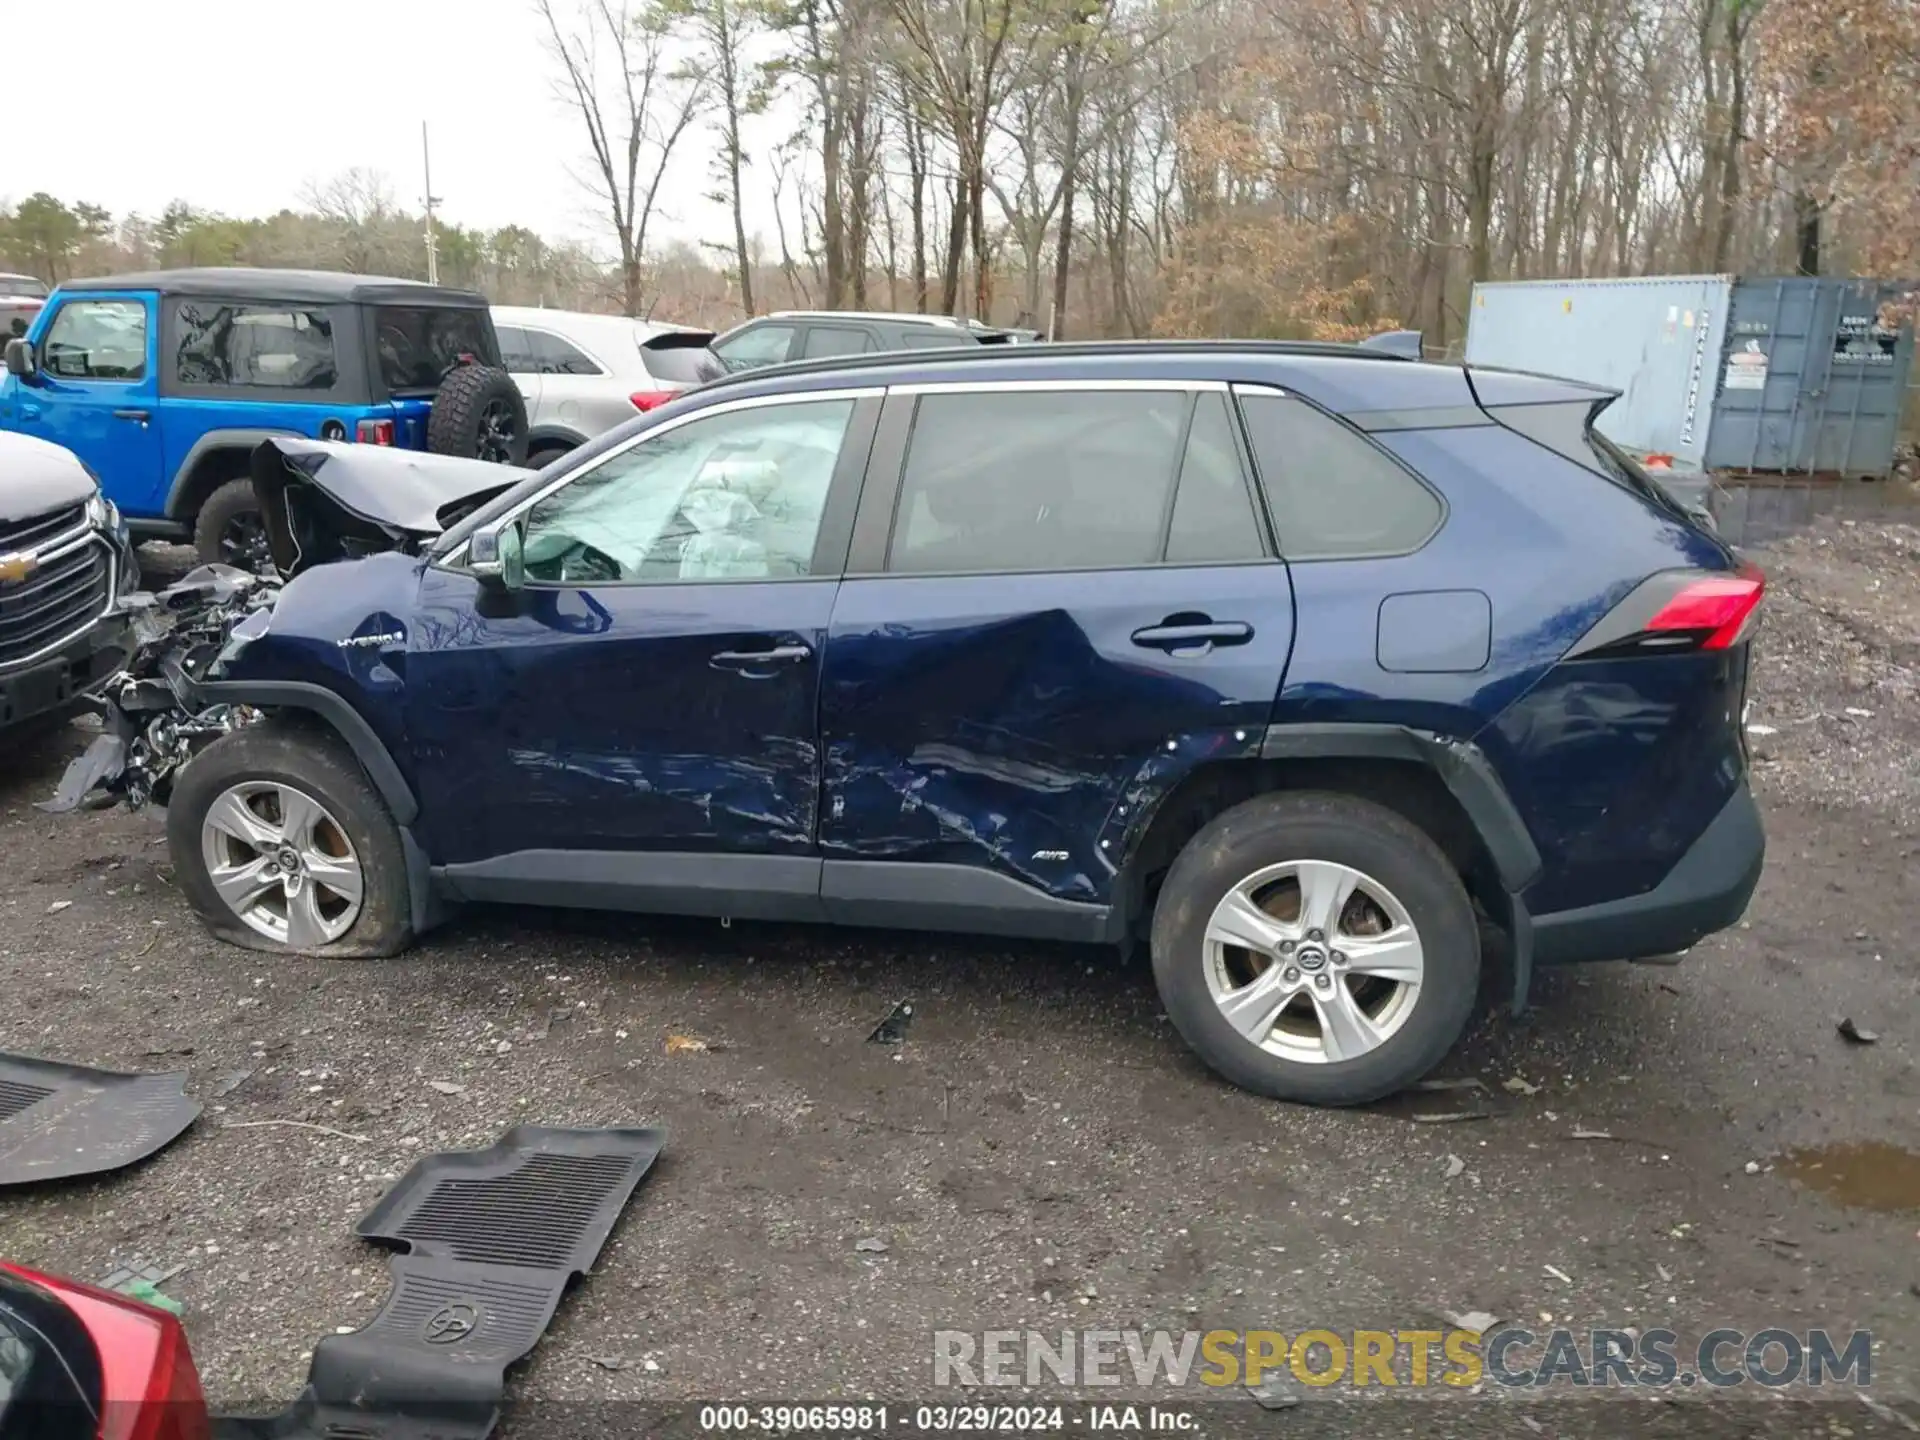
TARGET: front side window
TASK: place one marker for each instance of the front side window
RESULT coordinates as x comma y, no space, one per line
736,496
269,347
762,345
419,345
97,340
1332,493
560,357
1038,480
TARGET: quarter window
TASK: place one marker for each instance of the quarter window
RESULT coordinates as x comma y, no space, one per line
728,497
1333,494
255,346
97,340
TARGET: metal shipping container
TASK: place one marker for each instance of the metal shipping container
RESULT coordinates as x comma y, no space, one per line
1721,372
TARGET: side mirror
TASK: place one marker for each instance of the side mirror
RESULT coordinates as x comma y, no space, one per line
20,360
498,558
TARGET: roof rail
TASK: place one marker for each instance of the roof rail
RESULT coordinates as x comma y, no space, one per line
964,355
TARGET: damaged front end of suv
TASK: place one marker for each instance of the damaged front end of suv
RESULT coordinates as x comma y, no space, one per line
321,502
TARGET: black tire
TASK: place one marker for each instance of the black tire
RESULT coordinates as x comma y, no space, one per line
1272,830
319,764
229,530
546,452
479,414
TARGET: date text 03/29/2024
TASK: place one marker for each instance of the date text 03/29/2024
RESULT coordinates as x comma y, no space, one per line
938,1419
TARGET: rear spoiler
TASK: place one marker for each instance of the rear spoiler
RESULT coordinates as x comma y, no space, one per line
678,340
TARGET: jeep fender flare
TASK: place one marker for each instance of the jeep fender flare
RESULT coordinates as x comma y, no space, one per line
243,440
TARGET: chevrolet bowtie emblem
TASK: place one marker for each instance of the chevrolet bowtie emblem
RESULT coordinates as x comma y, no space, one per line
15,568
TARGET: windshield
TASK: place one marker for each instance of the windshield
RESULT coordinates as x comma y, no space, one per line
22,285
418,346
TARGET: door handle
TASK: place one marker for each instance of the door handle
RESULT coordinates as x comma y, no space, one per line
1187,637
141,415
755,659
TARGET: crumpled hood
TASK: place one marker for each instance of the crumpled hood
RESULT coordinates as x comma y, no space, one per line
328,500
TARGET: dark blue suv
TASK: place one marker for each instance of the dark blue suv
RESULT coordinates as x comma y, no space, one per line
1294,662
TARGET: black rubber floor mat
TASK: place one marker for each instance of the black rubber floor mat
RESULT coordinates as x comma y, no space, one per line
59,1121
493,1238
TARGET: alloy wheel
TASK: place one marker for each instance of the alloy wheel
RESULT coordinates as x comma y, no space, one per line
282,863
1313,961
497,430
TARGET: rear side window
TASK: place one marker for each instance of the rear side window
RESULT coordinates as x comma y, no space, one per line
681,359
1213,514
1065,480
1332,494
97,340
826,340
418,346
254,346
516,350
554,356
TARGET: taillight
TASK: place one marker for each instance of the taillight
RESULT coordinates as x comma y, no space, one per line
150,1390
1717,609
1679,611
374,432
651,399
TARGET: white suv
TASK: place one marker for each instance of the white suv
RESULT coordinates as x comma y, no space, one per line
582,374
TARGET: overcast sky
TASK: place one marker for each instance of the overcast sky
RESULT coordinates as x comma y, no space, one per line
234,105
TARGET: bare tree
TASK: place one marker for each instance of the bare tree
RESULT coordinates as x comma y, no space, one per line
616,75
721,32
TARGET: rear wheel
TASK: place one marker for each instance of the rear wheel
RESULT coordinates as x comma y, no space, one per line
229,529
1316,947
479,413
281,843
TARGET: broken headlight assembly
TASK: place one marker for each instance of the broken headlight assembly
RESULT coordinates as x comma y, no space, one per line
152,722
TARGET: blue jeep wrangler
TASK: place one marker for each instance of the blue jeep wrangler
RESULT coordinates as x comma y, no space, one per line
163,384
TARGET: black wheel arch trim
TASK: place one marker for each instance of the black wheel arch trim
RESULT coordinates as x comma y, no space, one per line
1461,765
237,439
337,713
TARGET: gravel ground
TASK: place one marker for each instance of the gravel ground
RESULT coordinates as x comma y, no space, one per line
1042,1151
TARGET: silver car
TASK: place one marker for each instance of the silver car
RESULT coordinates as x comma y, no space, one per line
582,374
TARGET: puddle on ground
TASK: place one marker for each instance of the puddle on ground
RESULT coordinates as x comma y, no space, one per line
1868,1175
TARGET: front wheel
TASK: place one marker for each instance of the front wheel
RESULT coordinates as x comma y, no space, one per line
1316,947
281,843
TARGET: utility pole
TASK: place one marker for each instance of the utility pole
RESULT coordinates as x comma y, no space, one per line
433,246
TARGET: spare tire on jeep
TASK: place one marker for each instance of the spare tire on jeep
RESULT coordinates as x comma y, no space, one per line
479,413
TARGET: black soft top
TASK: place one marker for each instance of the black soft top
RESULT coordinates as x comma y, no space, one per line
313,286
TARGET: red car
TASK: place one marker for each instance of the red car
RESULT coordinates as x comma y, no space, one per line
78,1363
